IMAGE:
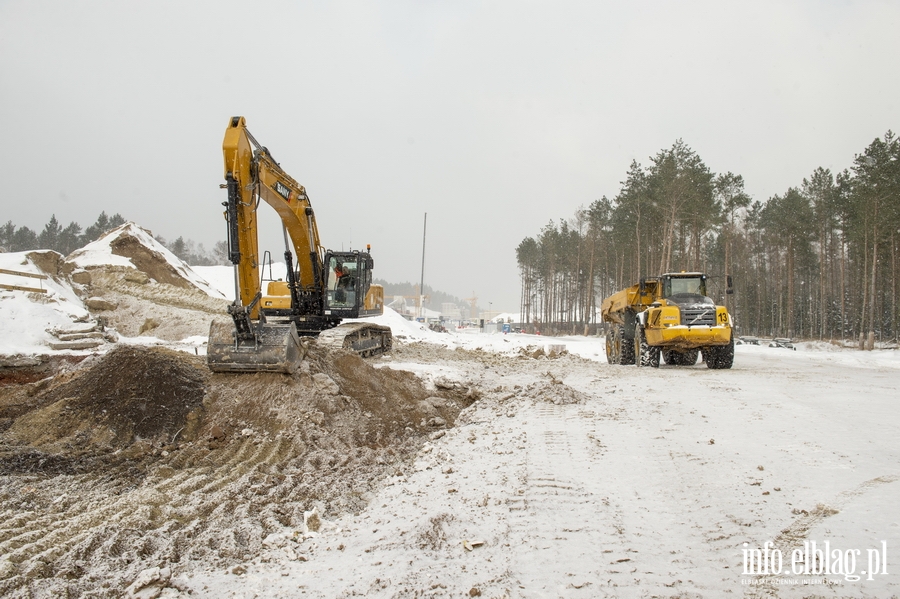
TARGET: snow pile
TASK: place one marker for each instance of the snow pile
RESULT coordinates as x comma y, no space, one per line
133,247
126,278
28,316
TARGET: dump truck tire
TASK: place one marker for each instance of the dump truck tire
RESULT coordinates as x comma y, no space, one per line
645,354
689,358
673,357
612,353
720,357
626,348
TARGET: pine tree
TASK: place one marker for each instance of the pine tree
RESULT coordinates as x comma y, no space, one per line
24,239
69,239
7,233
49,237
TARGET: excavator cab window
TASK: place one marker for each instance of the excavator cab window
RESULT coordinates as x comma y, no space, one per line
342,282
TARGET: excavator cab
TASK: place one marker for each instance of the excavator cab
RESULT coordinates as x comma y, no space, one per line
349,292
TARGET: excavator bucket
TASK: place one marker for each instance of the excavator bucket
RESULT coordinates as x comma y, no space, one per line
276,348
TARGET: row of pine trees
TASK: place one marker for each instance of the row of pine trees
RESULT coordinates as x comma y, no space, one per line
819,261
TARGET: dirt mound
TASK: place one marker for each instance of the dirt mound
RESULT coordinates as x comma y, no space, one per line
554,391
148,261
155,293
145,459
129,394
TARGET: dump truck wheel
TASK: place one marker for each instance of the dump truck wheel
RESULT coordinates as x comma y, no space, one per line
689,358
644,354
720,357
672,357
626,348
612,354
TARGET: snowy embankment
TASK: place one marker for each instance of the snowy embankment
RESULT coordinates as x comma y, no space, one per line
28,315
124,277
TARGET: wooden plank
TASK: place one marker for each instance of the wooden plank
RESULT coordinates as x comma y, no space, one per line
18,288
22,274
83,344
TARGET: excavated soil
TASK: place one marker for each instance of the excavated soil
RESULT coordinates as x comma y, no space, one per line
130,394
143,458
146,307
148,261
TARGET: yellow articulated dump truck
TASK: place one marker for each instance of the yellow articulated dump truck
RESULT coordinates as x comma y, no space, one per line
671,318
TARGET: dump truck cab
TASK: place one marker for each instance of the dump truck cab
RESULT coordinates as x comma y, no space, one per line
683,284
684,294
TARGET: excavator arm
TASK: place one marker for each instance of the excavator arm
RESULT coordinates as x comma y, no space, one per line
251,175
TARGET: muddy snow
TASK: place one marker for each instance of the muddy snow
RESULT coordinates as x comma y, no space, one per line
462,465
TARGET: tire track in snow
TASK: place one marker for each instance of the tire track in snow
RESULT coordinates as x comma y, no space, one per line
554,519
85,525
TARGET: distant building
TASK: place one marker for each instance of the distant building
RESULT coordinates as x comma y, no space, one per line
450,311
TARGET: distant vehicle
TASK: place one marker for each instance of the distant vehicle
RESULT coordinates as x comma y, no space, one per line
748,341
782,342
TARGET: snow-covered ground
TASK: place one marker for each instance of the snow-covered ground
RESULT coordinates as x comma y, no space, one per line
30,317
27,315
574,478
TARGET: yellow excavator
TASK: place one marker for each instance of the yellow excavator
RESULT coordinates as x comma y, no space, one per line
323,289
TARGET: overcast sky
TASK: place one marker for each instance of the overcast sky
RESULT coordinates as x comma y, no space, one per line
493,117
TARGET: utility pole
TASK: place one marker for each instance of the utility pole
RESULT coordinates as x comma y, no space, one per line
422,280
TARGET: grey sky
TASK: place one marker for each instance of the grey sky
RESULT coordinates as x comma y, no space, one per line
492,117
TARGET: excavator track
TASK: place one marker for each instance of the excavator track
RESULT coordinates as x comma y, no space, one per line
364,338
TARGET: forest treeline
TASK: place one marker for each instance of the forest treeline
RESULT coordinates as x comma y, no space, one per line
817,261
66,240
